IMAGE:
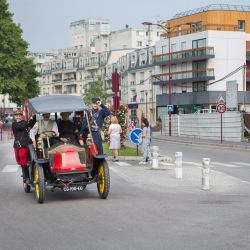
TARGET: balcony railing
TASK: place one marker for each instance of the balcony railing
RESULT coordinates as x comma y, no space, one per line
184,55
185,76
205,27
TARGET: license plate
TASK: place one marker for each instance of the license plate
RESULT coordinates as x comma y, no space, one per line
73,188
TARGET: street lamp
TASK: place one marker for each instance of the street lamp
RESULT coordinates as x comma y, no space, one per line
167,29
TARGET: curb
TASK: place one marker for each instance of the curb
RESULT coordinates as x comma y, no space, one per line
139,158
225,146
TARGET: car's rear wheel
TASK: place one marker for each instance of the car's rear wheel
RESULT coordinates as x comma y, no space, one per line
39,184
103,182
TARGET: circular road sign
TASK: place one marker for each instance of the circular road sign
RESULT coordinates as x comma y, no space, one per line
135,135
221,108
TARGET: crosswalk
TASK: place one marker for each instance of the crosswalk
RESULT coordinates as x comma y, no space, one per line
14,168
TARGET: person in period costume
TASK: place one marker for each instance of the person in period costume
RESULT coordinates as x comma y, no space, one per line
42,126
96,119
22,140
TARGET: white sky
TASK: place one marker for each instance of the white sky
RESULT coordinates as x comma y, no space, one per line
45,23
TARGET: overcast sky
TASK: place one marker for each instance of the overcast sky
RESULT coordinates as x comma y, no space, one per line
45,23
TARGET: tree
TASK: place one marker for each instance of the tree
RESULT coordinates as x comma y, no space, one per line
17,72
95,89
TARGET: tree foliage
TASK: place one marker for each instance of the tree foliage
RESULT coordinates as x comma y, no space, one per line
17,72
95,89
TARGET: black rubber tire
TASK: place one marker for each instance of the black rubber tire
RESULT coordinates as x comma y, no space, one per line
103,174
39,184
26,187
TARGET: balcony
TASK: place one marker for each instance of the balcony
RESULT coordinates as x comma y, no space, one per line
56,80
185,76
205,27
184,56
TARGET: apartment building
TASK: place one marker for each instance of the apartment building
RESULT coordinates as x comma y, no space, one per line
84,32
134,38
206,45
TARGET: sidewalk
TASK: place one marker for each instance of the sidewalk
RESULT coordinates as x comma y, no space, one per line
211,143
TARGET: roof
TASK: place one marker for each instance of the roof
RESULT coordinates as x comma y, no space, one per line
56,103
228,7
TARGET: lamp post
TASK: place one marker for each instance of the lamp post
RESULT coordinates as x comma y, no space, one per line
167,29
146,93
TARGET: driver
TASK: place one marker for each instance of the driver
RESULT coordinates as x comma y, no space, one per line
44,125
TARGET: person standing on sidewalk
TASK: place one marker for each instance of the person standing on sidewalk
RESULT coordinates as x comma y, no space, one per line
22,140
115,131
146,140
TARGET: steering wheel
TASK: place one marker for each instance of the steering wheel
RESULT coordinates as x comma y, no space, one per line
49,133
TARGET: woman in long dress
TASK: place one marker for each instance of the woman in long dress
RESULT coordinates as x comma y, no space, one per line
115,137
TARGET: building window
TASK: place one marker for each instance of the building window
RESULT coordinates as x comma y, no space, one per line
199,43
199,86
141,77
241,25
139,43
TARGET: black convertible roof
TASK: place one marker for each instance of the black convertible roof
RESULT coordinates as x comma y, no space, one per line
56,103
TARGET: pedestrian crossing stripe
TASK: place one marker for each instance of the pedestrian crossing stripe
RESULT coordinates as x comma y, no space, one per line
10,169
123,164
225,165
242,163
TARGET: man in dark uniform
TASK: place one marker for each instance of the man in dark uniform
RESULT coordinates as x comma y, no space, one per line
22,140
96,119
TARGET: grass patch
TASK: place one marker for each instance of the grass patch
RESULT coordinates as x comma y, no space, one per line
127,151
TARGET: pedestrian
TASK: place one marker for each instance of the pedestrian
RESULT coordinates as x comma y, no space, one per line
22,140
96,119
145,143
115,131
136,123
132,125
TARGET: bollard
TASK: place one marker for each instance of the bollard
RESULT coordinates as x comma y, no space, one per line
205,183
178,165
155,155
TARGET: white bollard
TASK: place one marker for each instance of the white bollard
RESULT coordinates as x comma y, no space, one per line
155,155
205,182
178,165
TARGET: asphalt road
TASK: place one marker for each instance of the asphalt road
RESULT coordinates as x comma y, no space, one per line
229,161
133,217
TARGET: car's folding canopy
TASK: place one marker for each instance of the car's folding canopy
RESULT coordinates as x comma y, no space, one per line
56,103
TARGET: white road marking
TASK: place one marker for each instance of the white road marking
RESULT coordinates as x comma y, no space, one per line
247,182
242,163
123,164
192,163
10,169
225,165
166,164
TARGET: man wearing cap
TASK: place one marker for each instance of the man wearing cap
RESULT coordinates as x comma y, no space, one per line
97,115
22,140
44,125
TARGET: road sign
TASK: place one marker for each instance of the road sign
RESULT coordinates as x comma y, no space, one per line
221,108
135,135
221,99
170,108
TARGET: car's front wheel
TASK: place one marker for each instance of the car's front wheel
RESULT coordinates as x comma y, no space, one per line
103,181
